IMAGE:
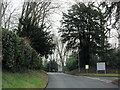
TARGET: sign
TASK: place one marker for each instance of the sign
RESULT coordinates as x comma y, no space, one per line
86,66
59,68
101,66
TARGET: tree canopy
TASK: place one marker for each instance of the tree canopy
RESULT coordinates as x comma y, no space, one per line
33,26
83,30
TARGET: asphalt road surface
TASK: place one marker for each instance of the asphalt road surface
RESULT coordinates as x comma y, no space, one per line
61,80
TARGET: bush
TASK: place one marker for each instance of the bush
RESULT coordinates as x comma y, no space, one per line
72,63
114,59
36,60
17,54
51,66
8,44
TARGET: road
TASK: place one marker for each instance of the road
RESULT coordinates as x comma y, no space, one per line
61,80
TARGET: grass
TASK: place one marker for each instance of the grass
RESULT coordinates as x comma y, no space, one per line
0,80
32,79
93,74
75,72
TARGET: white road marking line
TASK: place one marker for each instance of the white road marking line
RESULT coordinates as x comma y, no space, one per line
103,80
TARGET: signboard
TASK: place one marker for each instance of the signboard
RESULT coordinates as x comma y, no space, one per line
86,66
59,68
101,66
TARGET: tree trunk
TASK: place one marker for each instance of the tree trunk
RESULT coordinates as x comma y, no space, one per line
63,66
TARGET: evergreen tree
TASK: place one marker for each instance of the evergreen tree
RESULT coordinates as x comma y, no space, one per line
83,30
32,25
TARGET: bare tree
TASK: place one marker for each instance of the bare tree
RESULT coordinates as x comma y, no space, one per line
111,12
9,15
37,12
61,52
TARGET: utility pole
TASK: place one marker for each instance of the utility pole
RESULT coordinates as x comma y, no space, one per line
78,52
78,61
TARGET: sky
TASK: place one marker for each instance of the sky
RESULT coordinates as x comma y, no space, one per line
56,17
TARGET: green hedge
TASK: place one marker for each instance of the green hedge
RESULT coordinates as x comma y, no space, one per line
17,54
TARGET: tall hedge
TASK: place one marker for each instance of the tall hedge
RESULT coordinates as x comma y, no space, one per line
17,54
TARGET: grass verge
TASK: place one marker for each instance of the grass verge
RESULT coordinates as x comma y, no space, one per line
32,79
93,74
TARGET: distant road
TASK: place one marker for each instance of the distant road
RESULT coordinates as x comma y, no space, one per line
61,80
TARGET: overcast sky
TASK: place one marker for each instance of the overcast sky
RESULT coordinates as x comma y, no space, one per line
57,15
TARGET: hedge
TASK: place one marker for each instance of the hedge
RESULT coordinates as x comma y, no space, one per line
18,55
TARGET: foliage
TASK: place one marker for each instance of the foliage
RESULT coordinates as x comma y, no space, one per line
72,63
93,60
36,60
17,54
32,25
112,10
114,59
51,66
83,30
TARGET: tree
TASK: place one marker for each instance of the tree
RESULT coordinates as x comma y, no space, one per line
72,62
18,56
83,30
62,52
113,59
8,15
51,66
33,26
112,13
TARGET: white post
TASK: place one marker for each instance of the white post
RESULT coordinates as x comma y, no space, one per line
78,62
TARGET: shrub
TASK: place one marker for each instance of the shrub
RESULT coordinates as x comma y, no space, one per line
36,60
17,54
8,44
72,63
51,66
114,59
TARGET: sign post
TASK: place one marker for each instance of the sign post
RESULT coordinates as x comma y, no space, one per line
101,67
87,67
